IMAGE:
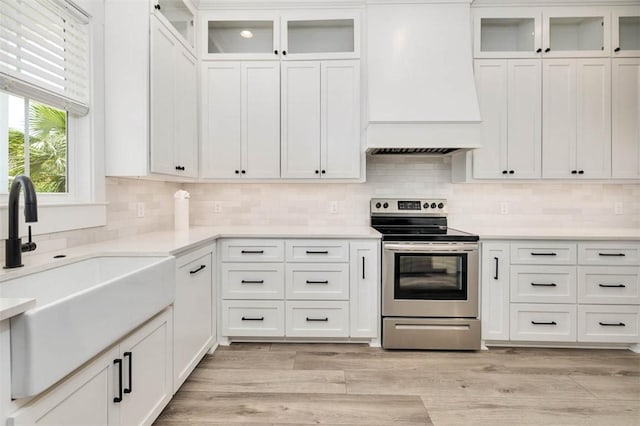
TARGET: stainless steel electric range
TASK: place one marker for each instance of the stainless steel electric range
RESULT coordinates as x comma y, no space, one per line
429,276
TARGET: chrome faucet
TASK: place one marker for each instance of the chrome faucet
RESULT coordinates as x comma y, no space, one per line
13,244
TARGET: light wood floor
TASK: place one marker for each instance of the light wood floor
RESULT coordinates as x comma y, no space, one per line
343,384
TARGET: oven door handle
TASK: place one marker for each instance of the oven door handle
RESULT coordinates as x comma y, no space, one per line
431,248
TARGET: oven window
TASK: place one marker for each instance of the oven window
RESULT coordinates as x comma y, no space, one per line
431,276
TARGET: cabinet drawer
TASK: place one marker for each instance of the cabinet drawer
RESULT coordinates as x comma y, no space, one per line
252,318
317,251
543,253
606,284
317,319
252,250
622,254
553,323
543,284
328,281
608,323
252,280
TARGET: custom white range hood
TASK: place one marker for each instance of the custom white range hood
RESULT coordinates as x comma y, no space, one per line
422,96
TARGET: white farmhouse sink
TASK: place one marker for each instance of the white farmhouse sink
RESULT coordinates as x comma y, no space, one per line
81,309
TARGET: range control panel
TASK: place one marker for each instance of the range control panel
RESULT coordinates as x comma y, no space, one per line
409,206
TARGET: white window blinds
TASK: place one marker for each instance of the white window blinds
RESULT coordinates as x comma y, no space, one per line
44,51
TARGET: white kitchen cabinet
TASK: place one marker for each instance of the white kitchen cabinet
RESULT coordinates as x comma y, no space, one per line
364,288
495,291
576,119
193,312
608,323
509,92
130,383
253,318
317,318
507,32
150,101
625,31
543,284
576,32
240,126
625,112
543,322
321,119
179,16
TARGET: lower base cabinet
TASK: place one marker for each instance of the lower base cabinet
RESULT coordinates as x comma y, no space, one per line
129,384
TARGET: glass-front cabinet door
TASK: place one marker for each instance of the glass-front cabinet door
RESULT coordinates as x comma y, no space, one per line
576,32
180,17
505,33
239,36
625,32
323,35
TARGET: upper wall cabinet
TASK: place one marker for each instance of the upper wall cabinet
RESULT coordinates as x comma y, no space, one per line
625,125
625,32
576,32
179,18
507,33
292,36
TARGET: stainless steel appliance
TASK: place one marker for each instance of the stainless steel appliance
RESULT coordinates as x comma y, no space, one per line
429,277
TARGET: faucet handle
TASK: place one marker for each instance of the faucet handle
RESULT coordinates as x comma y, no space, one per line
29,245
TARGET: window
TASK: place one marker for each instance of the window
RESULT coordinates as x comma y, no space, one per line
35,137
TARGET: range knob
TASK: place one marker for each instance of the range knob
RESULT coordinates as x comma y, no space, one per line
378,205
440,205
433,205
425,206
385,205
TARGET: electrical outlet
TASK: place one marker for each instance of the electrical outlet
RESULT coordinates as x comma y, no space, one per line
333,207
504,207
217,207
618,208
140,209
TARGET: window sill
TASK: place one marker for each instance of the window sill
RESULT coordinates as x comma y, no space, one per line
58,217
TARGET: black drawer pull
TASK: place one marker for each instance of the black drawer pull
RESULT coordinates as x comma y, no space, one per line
544,323
544,284
544,254
363,268
317,282
495,277
317,252
325,319
130,388
198,269
252,251
252,319
608,324
612,254
252,281
119,397
612,285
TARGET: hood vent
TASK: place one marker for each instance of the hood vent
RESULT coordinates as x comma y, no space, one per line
422,95
405,151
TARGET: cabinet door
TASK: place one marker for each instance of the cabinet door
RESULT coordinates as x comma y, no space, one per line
185,117
507,32
147,371
576,32
594,118
221,109
364,280
192,312
559,118
625,32
300,120
239,35
495,291
260,99
340,119
163,76
625,83
524,118
179,17
490,161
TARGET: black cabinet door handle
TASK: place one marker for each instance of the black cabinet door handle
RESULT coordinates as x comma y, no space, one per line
130,388
275,52
580,172
252,251
615,324
198,269
544,323
317,282
495,276
363,276
574,172
543,254
547,50
544,284
284,52
612,285
179,167
317,252
243,171
504,172
323,171
237,172
538,50
317,172
325,319
252,281
617,49
511,172
118,398
612,254
252,319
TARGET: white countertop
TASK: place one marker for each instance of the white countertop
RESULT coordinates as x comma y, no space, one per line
618,234
12,307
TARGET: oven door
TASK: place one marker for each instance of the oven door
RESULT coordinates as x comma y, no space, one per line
430,280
